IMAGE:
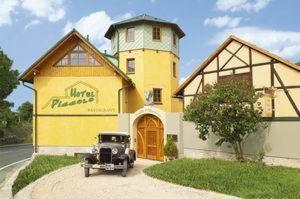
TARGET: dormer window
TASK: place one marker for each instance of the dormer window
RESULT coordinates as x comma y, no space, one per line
78,57
156,33
130,34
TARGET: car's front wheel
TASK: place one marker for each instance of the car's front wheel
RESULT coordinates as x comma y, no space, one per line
125,167
131,164
86,169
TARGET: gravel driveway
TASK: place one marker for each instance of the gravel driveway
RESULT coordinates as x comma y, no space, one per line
71,183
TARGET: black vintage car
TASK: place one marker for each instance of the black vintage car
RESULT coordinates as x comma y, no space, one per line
112,152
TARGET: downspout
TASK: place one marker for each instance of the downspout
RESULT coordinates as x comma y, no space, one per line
118,48
119,96
35,115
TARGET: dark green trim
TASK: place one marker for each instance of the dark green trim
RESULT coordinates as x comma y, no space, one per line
75,115
281,119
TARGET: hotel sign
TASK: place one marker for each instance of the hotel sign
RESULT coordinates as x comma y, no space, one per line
75,95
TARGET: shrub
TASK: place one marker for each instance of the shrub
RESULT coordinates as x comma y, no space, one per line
170,149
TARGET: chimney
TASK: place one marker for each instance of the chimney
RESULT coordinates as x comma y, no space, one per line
104,51
88,37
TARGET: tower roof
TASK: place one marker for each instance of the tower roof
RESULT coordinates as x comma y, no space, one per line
144,18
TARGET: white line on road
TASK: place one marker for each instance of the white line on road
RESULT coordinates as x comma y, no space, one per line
14,163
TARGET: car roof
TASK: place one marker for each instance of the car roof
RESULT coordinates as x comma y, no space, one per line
119,133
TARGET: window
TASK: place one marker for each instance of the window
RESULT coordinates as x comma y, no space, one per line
174,39
157,95
130,34
78,57
156,33
174,69
131,65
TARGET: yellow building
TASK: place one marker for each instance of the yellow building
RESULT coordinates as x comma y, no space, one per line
80,91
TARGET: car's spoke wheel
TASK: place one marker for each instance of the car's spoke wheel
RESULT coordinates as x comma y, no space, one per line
125,166
86,170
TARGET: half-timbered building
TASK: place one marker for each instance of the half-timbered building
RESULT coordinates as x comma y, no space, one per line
276,78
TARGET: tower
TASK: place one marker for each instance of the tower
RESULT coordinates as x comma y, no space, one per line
148,52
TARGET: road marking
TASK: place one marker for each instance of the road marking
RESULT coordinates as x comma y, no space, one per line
14,163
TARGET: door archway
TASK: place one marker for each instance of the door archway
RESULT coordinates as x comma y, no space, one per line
150,137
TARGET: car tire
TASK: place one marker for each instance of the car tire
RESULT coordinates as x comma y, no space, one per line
125,167
86,170
131,164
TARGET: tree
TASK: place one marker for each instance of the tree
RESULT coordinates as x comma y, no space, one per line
25,112
229,110
8,82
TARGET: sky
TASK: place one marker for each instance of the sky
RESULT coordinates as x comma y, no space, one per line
28,28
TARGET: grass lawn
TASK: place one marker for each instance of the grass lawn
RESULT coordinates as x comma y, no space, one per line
40,166
247,180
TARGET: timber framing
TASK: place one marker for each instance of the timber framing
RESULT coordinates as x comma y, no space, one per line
246,63
222,47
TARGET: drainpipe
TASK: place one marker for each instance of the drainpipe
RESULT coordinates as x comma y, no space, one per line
35,115
118,48
119,95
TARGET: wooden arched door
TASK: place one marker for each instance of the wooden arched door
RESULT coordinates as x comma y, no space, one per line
150,138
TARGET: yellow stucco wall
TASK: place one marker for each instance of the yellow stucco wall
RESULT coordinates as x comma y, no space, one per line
93,109
153,69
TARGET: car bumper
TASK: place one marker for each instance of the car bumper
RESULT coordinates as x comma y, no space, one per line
100,166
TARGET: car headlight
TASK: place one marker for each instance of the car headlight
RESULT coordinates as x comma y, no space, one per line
94,150
114,151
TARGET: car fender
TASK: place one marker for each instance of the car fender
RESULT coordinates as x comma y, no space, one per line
124,156
89,156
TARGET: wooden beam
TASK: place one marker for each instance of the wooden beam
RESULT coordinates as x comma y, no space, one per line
280,87
232,56
200,83
250,63
237,57
272,85
239,67
287,92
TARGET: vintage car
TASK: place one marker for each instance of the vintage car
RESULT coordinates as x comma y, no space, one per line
112,152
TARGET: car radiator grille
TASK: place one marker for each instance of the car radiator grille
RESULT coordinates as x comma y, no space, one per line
105,155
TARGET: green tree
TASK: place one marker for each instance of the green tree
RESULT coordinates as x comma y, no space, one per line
8,82
25,112
229,110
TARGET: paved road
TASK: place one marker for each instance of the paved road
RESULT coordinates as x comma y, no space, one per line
10,155
14,153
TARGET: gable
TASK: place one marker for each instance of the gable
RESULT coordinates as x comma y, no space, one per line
234,53
58,61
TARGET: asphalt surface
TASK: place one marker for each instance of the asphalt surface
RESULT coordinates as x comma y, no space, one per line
11,154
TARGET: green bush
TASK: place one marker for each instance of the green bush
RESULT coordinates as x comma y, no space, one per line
170,149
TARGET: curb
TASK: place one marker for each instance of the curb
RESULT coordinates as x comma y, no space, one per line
6,190
25,193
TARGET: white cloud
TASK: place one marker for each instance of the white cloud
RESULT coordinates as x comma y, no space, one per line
7,7
95,25
283,43
53,10
240,5
32,23
152,1
224,21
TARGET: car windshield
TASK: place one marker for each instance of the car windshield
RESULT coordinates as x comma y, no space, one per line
113,138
